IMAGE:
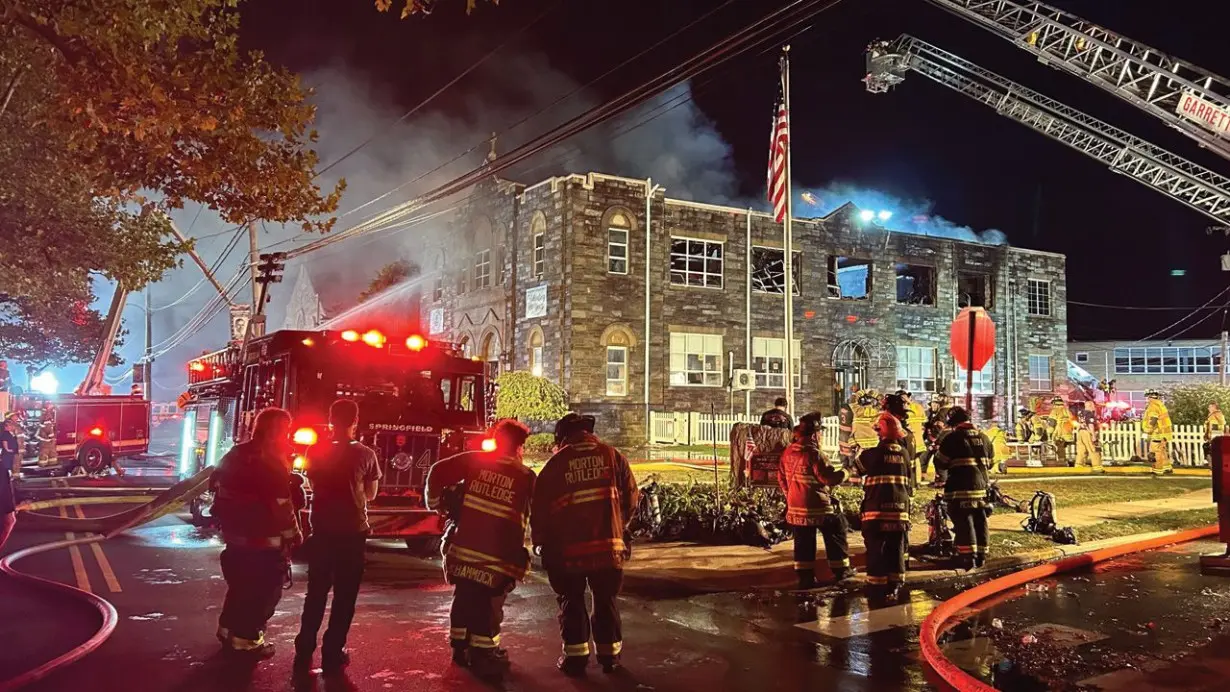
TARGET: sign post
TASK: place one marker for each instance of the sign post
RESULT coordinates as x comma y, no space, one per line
972,343
1219,565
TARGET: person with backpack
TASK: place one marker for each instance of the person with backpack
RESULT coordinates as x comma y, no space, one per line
888,483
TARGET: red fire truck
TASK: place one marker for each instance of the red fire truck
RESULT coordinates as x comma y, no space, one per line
91,431
418,401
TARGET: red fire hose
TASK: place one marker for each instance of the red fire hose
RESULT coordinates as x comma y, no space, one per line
932,625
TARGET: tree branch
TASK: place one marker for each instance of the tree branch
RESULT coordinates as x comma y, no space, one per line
24,20
8,91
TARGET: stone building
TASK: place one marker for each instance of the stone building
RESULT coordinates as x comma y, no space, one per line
555,278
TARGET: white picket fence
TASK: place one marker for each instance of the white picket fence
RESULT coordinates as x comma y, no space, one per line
690,428
1120,441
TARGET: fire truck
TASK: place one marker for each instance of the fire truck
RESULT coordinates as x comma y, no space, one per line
419,401
91,431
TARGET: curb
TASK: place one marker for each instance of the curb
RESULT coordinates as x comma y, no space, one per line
929,632
110,618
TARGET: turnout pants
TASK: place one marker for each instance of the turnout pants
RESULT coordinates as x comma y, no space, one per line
971,533
1061,450
886,554
335,563
575,623
254,579
1160,451
476,615
1087,453
836,548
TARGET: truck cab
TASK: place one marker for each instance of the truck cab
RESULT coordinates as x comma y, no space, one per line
419,401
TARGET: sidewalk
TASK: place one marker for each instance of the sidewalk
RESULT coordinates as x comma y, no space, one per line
678,568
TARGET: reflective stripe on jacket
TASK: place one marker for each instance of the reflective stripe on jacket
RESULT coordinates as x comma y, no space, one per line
488,543
966,453
583,500
805,477
1157,421
887,486
1214,425
252,497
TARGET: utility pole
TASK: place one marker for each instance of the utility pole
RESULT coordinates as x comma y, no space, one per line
1224,336
253,258
147,363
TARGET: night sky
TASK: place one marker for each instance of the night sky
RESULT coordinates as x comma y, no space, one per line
922,141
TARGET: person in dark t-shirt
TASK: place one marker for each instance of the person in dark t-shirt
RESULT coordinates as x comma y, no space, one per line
344,475
8,458
778,416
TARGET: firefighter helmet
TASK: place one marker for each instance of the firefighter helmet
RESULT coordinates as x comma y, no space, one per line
1058,401
888,427
572,424
1153,394
956,416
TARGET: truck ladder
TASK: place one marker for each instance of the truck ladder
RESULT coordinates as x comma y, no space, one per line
1197,187
1159,84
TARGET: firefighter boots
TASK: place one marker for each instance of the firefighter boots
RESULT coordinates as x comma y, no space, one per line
487,664
334,663
572,666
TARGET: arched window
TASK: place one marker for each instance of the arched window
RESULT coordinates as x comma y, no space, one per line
484,250
467,348
491,353
618,340
618,231
538,231
536,352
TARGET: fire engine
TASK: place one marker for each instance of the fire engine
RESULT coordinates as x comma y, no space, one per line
418,400
91,431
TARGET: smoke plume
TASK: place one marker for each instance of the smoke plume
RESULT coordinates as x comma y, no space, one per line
908,215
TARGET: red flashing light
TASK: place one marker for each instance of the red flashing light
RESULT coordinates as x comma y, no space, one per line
309,342
415,342
350,335
488,445
300,462
196,366
96,431
304,436
373,338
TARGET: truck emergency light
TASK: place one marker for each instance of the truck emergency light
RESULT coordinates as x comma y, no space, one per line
350,335
489,445
304,436
415,342
373,338
196,366
96,431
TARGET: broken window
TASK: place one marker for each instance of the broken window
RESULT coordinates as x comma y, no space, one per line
696,262
973,290
849,278
769,271
915,284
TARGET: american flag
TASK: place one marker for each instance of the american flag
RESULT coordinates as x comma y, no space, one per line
779,144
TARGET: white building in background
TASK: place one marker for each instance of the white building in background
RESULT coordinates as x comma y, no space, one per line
303,310
1140,365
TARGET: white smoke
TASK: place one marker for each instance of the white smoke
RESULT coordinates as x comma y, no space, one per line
667,138
908,215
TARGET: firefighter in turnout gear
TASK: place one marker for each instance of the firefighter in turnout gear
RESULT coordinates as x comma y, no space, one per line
966,453
887,487
254,504
1215,424
1060,422
866,411
916,432
486,496
583,501
806,478
1025,426
932,429
1088,442
47,443
1157,426
845,430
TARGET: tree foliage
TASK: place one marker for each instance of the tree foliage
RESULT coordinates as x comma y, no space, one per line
528,398
410,7
112,111
1189,404
389,276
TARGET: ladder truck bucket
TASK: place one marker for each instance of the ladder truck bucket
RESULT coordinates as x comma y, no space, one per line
885,67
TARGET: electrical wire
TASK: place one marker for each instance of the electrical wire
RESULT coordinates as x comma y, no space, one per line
1138,307
1185,317
1198,323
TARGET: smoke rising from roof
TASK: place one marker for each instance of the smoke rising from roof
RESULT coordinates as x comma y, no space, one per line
667,138
908,215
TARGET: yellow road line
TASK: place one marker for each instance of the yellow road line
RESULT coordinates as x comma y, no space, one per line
104,564
74,553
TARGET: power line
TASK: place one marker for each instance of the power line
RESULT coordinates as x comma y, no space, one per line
1187,316
1139,307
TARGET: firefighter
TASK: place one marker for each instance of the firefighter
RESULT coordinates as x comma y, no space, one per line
887,487
845,430
583,500
966,453
778,417
486,497
866,411
1159,430
897,405
1215,424
999,445
18,427
931,433
916,428
806,478
1060,420
1024,426
1088,442
255,508
46,437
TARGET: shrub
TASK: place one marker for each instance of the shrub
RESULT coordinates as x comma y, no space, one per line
540,444
1189,404
522,396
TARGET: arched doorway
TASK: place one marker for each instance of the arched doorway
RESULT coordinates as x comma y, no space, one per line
860,363
491,354
467,347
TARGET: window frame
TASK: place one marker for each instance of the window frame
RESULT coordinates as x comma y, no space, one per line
703,257
540,255
984,380
988,289
932,293
796,268
437,288
626,259
917,384
482,269
1152,360
1050,373
1080,357
703,355
623,379
764,378
833,284
1034,300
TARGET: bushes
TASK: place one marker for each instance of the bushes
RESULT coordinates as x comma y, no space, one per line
522,396
1189,404
540,444
689,512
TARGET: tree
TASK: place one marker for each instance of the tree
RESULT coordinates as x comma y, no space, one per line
528,398
410,7
112,111
389,276
1189,404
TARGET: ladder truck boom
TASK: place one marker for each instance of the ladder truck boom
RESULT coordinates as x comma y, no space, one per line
1184,96
1197,187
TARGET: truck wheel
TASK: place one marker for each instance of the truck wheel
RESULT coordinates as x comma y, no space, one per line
424,546
93,457
202,510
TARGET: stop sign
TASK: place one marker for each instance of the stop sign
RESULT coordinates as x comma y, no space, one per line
972,339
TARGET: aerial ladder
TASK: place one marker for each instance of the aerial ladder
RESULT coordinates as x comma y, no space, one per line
1185,96
1199,188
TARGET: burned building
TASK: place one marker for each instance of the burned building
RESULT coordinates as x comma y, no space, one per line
633,301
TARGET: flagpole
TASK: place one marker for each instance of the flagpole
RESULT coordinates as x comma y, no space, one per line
788,243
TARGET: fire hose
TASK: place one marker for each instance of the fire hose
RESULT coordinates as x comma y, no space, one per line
105,528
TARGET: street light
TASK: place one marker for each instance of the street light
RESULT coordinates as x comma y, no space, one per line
885,215
866,215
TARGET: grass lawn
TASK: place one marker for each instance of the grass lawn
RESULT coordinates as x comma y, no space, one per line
660,451
1005,543
1078,493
